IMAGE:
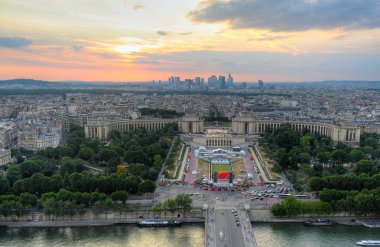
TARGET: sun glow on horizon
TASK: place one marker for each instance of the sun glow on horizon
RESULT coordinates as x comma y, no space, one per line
61,39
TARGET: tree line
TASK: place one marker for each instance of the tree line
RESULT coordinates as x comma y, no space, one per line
160,113
354,202
180,202
291,206
364,202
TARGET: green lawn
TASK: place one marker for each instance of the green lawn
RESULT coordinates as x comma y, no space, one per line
238,166
221,168
204,166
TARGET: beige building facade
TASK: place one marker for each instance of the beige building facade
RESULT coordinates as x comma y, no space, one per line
248,125
102,129
5,156
242,125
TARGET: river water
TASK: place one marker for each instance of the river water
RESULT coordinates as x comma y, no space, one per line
267,235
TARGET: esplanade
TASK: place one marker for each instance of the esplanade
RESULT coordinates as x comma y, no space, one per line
244,124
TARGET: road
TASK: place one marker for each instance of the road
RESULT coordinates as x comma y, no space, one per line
232,234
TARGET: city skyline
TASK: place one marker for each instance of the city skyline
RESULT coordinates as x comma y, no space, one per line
144,41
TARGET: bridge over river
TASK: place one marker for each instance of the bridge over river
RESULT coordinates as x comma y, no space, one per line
222,229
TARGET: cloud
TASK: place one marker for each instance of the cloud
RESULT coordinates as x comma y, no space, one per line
185,33
108,56
269,38
138,7
291,15
270,65
162,33
14,42
77,48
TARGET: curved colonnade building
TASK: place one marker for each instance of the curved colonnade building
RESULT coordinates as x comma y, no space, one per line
247,125
242,125
102,129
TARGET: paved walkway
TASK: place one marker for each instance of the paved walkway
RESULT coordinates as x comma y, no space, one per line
210,240
183,165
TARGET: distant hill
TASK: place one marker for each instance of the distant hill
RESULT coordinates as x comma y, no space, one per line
26,83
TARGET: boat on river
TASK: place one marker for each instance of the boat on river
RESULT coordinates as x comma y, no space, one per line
156,223
368,243
318,222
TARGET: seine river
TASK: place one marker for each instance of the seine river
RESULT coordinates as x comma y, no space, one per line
267,235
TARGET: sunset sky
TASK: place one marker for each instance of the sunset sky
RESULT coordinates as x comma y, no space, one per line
136,40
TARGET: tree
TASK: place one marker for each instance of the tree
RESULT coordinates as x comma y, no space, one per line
339,156
170,204
157,207
324,157
66,152
157,160
5,187
65,195
136,155
120,196
92,143
278,210
107,154
28,199
286,137
364,166
147,186
121,169
87,153
371,141
29,167
115,134
376,154
356,155
183,201
276,168
303,158
282,158
136,169
70,165
74,142
13,174
292,206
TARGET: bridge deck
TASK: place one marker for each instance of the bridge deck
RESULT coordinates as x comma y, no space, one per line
222,229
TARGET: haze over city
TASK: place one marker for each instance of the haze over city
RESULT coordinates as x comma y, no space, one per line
165,123
122,40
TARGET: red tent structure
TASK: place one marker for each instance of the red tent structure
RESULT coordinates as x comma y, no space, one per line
223,175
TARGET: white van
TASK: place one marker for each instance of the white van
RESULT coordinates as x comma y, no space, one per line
221,235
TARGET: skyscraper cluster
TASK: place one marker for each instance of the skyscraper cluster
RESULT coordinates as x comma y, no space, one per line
220,82
213,82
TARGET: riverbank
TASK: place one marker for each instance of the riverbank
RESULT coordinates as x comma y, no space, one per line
265,216
40,220
83,223
339,220
347,221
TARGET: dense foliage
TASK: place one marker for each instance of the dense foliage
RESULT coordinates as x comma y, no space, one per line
160,113
293,207
54,170
365,202
347,178
312,155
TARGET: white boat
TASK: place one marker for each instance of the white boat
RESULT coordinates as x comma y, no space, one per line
368,243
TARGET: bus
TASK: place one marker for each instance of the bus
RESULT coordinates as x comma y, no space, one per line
284,195
303,196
